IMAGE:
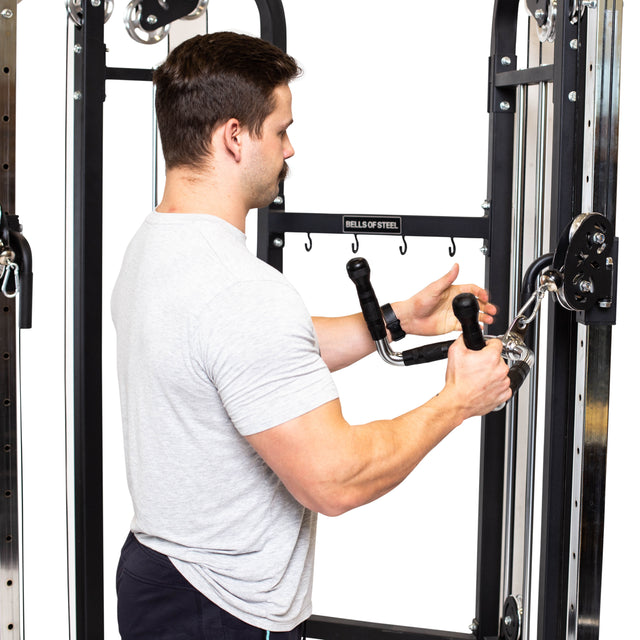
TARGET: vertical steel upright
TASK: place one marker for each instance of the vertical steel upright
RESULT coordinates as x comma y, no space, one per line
85,425
501,108
566,196
11,619
584,70
599,170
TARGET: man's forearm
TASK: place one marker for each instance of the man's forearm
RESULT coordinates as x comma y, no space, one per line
378,456
331,466
343,341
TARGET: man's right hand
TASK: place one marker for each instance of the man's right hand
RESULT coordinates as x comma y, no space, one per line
477,380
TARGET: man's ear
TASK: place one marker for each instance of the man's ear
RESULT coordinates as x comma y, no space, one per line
232,138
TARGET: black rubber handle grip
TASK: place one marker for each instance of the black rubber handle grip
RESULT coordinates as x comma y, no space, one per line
465,308
427,353
517,375
359,272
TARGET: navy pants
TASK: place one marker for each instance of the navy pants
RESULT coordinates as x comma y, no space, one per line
155,602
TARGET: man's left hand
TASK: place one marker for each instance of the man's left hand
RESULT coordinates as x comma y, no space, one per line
429,312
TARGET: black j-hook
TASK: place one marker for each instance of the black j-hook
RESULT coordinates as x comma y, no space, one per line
452,248
403,249
356,246
308,245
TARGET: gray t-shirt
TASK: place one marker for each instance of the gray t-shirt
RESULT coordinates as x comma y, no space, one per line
215,345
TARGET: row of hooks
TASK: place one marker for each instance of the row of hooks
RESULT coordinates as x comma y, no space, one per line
355,246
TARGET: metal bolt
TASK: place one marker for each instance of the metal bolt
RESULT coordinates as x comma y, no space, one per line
540,15
7,13
508,621
95,3
505,61
609,263
152,19
486,205
278,243
590,4
605,303
473,627
505,106
278,200
598,237
574,44
77,48
484,250
573,96
585,286
77,95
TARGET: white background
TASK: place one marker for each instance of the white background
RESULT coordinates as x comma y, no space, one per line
390,118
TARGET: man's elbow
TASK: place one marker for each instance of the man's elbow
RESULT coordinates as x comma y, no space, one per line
331,502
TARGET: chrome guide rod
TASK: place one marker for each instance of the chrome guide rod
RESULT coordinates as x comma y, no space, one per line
515,284
541,164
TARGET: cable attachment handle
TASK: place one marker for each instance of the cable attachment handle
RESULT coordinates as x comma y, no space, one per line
514,350
466,310
360,274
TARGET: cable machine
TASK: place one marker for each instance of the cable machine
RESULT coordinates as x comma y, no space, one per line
556,230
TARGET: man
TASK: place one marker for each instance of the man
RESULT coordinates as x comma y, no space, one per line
233,430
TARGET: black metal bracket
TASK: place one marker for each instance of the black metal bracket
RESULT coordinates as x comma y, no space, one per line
154,15
502,96
539,9
585,264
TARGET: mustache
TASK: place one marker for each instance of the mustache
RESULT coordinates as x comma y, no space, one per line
284,172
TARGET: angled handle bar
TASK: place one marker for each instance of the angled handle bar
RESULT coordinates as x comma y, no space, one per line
360,274
465,308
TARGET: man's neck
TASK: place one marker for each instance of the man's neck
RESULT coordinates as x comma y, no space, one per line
188,192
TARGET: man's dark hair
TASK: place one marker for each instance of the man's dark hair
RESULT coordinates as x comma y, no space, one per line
209,79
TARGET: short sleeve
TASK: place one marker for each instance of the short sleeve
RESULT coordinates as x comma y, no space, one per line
256,343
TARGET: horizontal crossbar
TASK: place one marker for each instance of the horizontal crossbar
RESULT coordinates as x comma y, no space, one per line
323,628
427,226
532,75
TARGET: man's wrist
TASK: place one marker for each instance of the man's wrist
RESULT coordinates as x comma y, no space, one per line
392,323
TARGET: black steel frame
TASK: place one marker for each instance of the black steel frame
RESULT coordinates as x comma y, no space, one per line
567,74
566,201
89,94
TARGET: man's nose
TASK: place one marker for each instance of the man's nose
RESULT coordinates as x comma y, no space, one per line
289,151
